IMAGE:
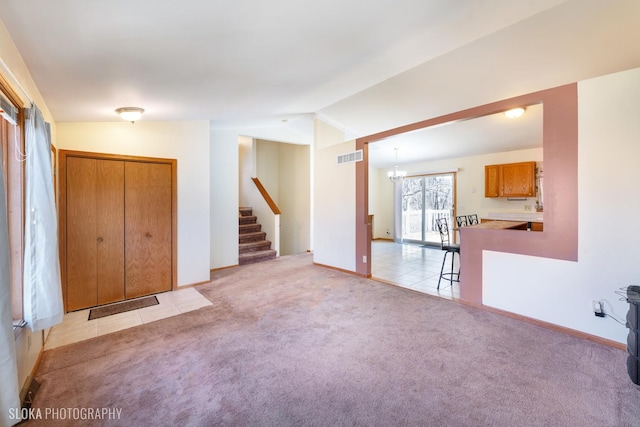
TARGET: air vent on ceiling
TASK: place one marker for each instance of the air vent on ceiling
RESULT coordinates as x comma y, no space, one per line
352,157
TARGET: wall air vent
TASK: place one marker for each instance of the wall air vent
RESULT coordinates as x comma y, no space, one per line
353,157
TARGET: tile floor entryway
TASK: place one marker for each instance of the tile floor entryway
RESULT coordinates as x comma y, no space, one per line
76,327
412,266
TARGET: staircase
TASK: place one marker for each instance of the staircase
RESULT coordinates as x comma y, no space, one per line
253,247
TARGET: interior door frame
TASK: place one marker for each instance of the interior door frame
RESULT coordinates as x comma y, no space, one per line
62,207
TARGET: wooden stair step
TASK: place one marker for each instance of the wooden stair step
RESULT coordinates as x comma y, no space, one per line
257,256
251,237
244,211
260,245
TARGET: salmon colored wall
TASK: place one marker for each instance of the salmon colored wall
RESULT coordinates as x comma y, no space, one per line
559,239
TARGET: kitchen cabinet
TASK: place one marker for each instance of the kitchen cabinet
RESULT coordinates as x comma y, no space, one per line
492,181
117,227
510,180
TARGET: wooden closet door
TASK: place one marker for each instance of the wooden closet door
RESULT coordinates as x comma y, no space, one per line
110,231
95,228
148,222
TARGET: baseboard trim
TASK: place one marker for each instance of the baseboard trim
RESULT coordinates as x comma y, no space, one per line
27,382
551,326
223,268
342,270
192,285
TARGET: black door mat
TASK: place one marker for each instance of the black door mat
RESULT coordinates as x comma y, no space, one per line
121,307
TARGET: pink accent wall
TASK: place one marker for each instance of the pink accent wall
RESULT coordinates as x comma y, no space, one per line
559,239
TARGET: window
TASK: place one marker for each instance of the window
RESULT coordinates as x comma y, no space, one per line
425,199
12,145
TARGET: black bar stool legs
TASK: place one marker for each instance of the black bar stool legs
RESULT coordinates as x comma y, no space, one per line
451,276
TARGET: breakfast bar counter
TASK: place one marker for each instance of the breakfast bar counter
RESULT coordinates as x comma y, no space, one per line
502,225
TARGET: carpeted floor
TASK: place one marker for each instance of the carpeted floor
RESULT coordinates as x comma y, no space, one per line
289,343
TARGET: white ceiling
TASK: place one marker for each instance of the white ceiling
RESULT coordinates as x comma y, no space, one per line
364,66
488,134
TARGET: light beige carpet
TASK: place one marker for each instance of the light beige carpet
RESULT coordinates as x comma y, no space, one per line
287,343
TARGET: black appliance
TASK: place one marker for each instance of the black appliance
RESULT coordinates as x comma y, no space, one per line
633,340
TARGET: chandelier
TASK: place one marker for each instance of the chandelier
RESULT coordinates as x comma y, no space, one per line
396,175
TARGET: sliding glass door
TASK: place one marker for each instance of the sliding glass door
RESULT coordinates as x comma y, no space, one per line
425,199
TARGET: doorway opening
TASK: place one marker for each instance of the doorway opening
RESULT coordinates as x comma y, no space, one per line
424,200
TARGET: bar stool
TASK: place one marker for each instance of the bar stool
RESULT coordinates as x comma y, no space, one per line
449,248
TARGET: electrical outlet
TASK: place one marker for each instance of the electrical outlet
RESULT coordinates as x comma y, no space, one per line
364,259
598,308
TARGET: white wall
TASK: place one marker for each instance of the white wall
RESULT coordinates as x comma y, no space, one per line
15,71
334,200
224,198
561,292
186,141
294,198
381,203
268,166
470,186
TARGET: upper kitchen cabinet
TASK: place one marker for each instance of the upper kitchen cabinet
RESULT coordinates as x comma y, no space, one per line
492,181
510,180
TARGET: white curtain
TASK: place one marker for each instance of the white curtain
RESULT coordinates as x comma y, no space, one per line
9,390
43,306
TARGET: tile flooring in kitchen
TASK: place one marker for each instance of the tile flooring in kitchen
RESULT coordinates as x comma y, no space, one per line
76,327
412,266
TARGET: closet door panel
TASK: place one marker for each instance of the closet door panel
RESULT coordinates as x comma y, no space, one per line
110,231
82,290
148,222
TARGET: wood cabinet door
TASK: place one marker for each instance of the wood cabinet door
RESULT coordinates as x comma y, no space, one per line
491,181
94,238
518,179
148,233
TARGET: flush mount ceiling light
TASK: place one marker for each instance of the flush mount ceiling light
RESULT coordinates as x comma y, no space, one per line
514,113
396,175
130,114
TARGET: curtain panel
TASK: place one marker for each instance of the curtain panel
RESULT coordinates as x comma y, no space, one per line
43,305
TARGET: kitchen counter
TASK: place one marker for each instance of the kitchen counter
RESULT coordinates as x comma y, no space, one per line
501,225
516,216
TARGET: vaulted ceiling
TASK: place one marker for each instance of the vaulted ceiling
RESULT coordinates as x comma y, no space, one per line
363,66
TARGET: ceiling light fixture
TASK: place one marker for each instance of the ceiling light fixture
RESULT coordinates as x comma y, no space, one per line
514,113
396,175
130,114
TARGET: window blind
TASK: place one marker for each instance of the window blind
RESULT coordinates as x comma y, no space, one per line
8,111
